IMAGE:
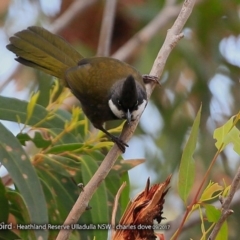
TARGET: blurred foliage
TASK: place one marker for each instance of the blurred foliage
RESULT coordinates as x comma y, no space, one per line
64,155
203,69
224,135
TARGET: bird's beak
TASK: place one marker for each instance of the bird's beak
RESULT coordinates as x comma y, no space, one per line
128,116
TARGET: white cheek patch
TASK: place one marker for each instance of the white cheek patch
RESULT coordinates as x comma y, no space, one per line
137,113
118,113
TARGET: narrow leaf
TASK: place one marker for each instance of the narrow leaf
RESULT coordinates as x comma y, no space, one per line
31,105
210,191
62,165
15,110
8,235
4,204
66,148
38,140
19,210
228,133
67,137
213,214
223,232
45,84
124,198
122,166
25,178
99,201
187,165
63,189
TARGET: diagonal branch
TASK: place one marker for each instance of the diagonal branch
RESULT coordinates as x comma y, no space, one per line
173,36
107,28
148,32
73,10
226,211
115,205
194,218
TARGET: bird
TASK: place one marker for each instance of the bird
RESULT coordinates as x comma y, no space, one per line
108,89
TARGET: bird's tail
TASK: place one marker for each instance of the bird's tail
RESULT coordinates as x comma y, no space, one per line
38,48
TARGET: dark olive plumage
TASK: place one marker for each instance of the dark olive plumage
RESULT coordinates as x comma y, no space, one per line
107,88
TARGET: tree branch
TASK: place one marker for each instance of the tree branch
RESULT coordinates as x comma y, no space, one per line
194,218
173,36
226,205
73,10
115,205
107,28
147,33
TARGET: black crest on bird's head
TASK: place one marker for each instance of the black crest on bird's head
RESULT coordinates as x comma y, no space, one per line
128,99
129,95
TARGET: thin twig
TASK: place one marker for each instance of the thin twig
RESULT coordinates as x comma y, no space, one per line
107,28
70,14
115,205
226,205
173,36
195,199
148,32
195,218
106,165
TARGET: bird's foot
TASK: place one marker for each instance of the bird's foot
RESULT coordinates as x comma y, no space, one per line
150,79
121,145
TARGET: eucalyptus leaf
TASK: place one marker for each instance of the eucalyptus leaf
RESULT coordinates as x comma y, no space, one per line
4,204
17,162
187,164
12,109
99,209
38,139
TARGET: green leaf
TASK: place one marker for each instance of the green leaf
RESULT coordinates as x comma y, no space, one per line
8,235
67,137
38,140
25,178
211,191
66,148
223,232
20,212
45,85
226,134
113,182
62,165
52,205
99,201
124,198
122,166
213,214
65,190
187,165
31,105
15,110
4,204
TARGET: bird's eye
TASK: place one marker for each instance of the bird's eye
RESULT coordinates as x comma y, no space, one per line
136,104
119,103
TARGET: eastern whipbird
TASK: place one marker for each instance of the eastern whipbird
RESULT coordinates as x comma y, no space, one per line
107,88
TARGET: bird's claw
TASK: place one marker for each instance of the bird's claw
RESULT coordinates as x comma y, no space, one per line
150,79
121,145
